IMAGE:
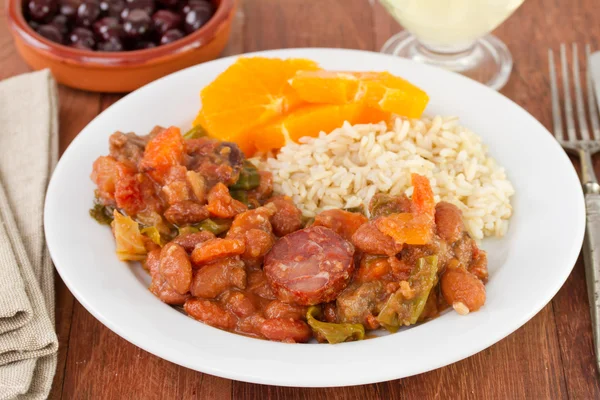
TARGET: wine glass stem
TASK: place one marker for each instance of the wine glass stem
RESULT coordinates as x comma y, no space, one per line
447,50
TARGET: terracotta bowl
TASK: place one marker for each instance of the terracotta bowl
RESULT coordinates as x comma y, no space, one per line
124,71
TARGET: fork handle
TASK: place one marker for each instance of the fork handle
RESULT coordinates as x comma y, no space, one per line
591,258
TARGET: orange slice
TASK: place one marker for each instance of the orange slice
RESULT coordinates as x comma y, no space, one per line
329,87
380,90
249,93
310,120
370,115
242,139
393,94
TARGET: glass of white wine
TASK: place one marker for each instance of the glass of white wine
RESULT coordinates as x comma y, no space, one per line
454,34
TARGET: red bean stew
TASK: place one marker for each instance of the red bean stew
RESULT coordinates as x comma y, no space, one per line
216,240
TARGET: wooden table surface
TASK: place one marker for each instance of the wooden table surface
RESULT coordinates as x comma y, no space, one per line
550,357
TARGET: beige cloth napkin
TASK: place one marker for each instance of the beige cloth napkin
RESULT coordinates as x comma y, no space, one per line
28,152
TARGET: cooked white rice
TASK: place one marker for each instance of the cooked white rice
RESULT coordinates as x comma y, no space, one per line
346,167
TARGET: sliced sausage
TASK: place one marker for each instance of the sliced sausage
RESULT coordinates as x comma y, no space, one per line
309,266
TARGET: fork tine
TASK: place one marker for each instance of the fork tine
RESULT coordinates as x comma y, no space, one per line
592,106
557,119
583,125
568,104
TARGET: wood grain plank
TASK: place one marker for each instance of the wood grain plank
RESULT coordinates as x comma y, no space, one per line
384,26
11,63
236,38
501,371
550,23
76,109
273,24
550,357
575,334
101,365
249,391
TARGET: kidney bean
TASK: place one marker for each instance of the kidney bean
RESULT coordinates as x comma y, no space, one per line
175,266
213,279
286,330
279,309
210,313
191,240
463,290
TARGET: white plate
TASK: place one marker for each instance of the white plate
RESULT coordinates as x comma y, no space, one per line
527,267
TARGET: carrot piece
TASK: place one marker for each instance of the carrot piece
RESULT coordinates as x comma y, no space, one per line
407,228
422,198
164,151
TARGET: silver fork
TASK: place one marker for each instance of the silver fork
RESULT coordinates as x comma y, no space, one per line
588,145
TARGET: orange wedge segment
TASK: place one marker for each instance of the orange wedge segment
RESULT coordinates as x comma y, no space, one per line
329,87
310,120
393,94
380,90
200,120
249,93
371,115
242,139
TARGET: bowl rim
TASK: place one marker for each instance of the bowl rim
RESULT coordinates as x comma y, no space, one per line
197,39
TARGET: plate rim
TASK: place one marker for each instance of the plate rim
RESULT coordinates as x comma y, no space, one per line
492,339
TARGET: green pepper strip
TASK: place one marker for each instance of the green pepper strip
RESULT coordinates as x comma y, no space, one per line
184,230
195,133
102,214
216,226
240,195
153,234
333,333
249,178
360,209
399,310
